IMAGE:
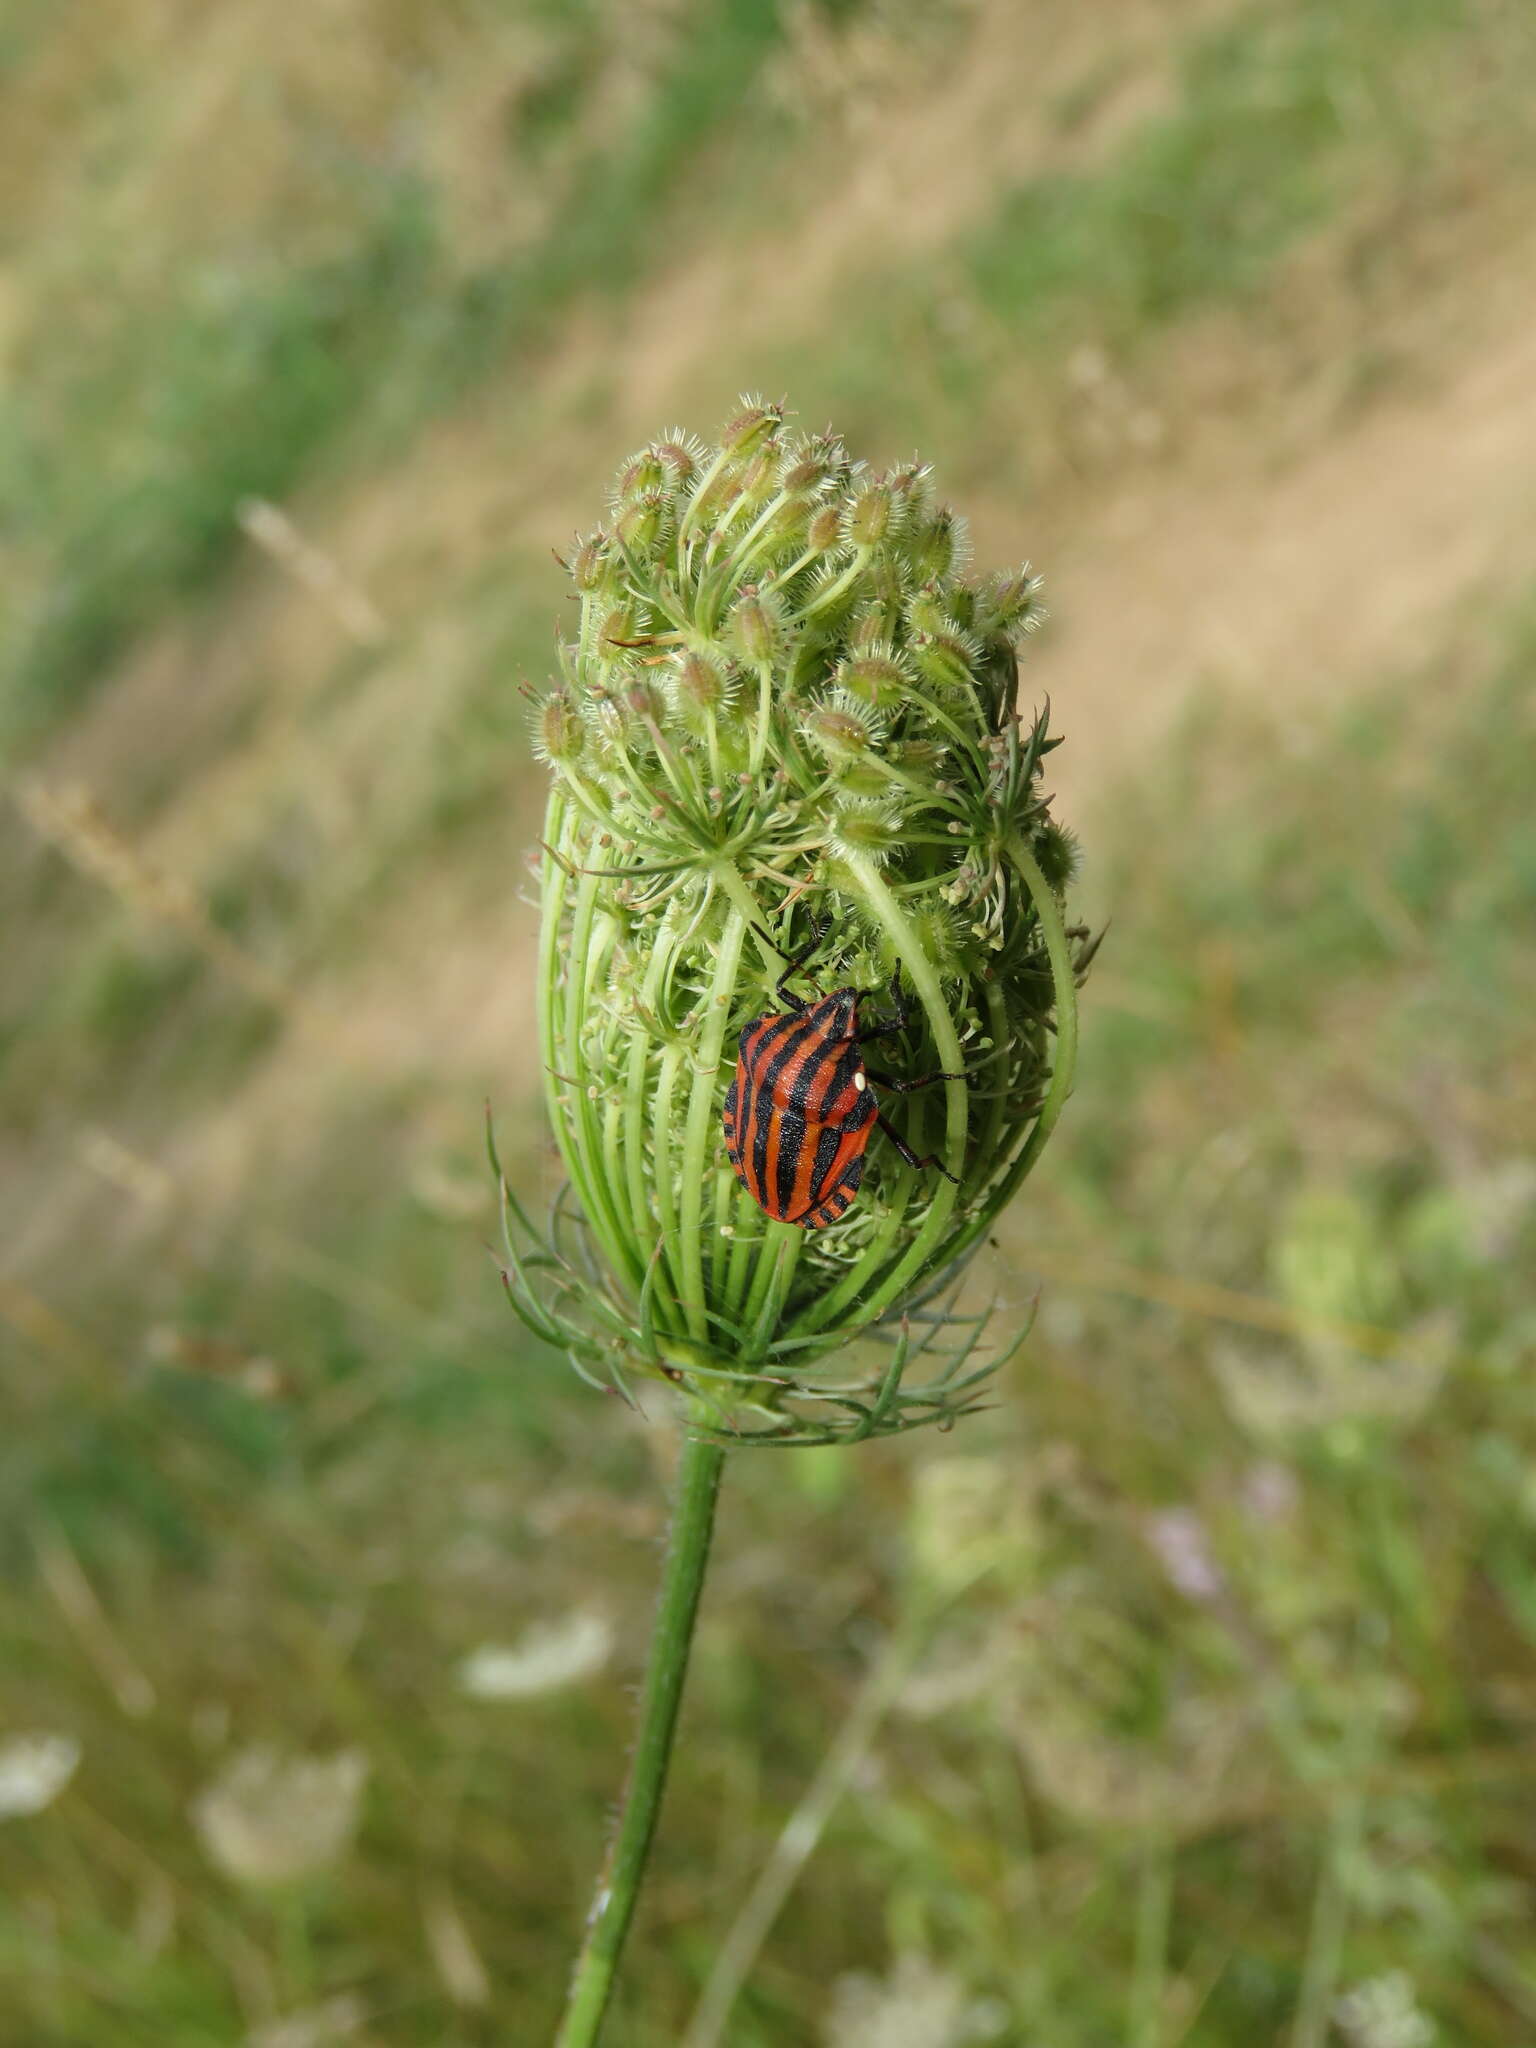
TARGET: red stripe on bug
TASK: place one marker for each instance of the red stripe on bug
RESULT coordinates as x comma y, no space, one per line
800,1109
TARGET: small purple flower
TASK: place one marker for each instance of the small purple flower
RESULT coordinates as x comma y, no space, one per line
1182,1546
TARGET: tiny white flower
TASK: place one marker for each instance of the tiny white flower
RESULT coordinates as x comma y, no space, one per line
547,1656
917,2006
271,1819
1384,2012
34,1769
317,2026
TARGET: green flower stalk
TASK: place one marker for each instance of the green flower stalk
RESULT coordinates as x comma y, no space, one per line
787,728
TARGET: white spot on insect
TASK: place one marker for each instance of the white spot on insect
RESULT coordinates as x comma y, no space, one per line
861,1082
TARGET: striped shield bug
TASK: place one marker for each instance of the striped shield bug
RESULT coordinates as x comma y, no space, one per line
800,1108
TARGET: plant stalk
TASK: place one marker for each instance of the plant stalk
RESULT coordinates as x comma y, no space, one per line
613,1906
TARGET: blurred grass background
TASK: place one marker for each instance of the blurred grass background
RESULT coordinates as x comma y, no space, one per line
316,339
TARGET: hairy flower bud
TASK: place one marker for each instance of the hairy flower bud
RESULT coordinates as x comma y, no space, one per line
755,629
911,485
872,515
880,677
938,547
823,528
558,735
788,731
858,774
842,727
642,522
1007,603
591,564
678,454
643,701
865,832
758,479
947,661
613,642
1057,852
642,475
700,689
752,426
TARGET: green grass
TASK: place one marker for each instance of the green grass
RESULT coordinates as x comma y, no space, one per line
122,474
231,392
1274,112
617,221
1282,123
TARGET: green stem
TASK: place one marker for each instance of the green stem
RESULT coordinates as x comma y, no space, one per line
693,1518
1149,1967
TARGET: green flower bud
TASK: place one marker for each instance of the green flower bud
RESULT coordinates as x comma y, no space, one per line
1007,604
701,690
787,524
758,480
880,677
617,630
558,734
642,523
641,476
1056,850
862,832
928,610
643,701
755,629
938,548
678,454
938,931
823,528
919,758
873,514
947,661
755,424
592,564
842,727
802,476
888,584
766,750
869,630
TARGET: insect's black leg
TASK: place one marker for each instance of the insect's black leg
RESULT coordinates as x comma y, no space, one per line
906,1087
782,991
796,962
898,1022
910,1156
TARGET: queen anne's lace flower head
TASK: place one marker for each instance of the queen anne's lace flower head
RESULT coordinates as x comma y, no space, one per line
34,1769
274,1819
787,721
549,1656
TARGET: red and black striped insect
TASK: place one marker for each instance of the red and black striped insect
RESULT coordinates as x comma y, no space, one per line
800,1108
